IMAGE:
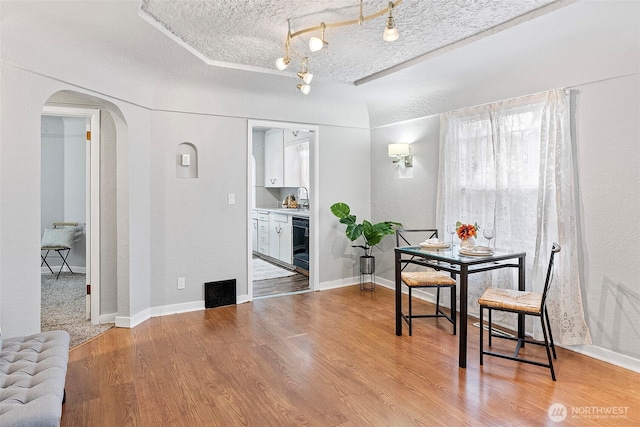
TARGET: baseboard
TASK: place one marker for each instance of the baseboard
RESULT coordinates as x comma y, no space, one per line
165,310
133,321
56,268
241,299
606,355
107,318
335,284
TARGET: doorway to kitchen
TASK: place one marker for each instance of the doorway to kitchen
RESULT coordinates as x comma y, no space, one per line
282,208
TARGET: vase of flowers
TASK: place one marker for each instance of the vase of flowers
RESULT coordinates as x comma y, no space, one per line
467,233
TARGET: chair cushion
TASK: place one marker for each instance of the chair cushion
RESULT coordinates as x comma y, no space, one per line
427,278
528,302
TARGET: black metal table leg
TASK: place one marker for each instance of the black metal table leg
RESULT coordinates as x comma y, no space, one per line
398,295
521,287
462,348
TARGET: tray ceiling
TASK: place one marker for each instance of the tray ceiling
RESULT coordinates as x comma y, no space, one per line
250,35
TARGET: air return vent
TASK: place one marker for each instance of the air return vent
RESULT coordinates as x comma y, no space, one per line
217,294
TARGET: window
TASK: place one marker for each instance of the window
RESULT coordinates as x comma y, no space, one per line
506,164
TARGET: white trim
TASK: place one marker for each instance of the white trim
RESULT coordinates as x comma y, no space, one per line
94,215
241,299
606,355
79,270
314,184
93,197
335,284
108,318
185,307
133,321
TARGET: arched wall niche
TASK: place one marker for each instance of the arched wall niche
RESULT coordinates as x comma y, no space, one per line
186,160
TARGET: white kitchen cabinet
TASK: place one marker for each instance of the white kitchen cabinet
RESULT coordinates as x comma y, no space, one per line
263,232
296,164
254,230
280,237
297,135
286,158
274,158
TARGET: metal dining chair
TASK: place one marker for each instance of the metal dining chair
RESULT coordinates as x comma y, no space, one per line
425,279
524,303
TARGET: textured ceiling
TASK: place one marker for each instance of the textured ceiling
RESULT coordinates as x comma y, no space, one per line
250,35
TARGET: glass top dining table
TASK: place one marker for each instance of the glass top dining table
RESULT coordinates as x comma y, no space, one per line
457,264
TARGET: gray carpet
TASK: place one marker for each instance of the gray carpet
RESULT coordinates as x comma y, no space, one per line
64,306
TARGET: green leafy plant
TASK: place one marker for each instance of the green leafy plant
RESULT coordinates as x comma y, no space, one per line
371,233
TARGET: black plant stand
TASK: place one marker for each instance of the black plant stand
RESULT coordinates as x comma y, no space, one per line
367,268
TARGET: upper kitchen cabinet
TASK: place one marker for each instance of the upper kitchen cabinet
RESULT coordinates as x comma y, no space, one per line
286,158
274,158
296,163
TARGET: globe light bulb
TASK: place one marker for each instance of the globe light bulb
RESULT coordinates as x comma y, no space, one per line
315,44
304,89
282,63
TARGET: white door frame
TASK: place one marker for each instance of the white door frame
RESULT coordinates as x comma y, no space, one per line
314,184
93,200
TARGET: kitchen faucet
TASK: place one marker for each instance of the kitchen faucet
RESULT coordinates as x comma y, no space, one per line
305,205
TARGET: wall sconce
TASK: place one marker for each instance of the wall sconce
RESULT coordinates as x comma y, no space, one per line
401,152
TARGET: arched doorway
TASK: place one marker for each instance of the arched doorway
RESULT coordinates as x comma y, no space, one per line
99,224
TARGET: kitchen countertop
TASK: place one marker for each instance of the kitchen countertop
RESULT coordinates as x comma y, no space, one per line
286,211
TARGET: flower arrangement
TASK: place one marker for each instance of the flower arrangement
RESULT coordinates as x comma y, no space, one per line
466,231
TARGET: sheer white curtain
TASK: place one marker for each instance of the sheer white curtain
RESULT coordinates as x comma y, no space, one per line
510,164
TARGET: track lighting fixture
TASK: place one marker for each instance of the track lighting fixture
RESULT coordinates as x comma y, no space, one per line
283,63
304,88
390,32
305,75
316,44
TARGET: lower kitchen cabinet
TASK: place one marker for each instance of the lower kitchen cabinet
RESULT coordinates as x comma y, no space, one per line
280,237
263,232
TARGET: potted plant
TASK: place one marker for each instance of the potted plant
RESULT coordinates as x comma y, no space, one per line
372,234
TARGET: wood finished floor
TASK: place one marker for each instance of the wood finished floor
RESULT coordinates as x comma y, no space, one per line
326,358
282,285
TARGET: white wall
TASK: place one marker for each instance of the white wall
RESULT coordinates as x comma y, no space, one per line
52,177
607,129
344,177
20,202
195,233
401,194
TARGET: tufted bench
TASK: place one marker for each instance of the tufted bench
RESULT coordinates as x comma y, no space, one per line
32,377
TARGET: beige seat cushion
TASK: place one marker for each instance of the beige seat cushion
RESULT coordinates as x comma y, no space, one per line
426,278
528,302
